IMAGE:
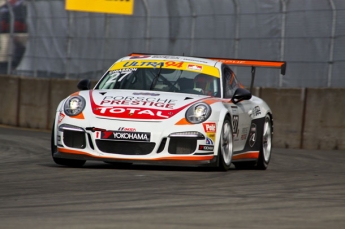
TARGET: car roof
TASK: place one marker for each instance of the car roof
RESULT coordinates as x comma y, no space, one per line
195,60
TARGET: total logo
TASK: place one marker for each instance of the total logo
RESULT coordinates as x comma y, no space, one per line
209,127
128,112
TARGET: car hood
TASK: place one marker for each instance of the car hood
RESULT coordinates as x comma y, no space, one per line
143,105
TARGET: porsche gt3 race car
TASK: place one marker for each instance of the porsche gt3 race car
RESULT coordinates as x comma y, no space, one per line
170,109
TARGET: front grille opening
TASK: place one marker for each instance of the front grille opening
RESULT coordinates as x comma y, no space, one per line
182,145
162,145
90,141
74,139
125,148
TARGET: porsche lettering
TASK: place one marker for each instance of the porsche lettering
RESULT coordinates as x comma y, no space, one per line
138,101
133,111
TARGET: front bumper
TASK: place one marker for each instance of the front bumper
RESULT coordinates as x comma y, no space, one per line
187,144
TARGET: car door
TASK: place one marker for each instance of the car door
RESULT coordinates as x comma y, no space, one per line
239,112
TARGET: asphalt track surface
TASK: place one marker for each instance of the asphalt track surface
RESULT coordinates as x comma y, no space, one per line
300,189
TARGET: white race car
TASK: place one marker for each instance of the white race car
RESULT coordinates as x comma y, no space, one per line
170,109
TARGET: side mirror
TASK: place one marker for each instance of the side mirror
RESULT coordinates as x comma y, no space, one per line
84,84
241,94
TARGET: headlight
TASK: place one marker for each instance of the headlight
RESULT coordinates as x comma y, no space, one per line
74,105
198,113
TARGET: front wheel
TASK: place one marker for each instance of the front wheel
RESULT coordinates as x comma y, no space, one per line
225,146
63,161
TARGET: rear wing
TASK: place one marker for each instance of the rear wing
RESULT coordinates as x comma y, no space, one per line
253,64
241,62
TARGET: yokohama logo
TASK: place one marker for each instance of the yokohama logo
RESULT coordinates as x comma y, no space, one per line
125,136
210,127
134,136
206,148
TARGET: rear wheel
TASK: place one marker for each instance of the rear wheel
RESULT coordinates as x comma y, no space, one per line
265,149
62,161
266,145
225,146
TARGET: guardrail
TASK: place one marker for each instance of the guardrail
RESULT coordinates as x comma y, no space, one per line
307,118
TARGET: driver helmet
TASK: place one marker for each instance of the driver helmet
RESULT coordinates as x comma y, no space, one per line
205,83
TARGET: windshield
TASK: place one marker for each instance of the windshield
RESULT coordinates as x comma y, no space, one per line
161,79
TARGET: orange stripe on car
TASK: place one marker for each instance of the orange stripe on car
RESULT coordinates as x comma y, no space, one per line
183,121
246,155
166,158
79,116
75,93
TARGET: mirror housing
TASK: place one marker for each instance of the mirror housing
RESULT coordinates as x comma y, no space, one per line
84,84
241,94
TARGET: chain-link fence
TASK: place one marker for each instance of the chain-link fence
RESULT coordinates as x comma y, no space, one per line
53,42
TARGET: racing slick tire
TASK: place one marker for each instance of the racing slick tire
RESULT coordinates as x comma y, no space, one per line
62,161
266,145
225,149
265,149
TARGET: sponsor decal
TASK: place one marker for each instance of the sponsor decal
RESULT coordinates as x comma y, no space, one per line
234,109
145,108
212,136
122,70
194,67
209,141
252,135
256,111
235,120
194,60
154,64
145,93
139,57
206,147
209,127
61,117
165,57
125,136
174,64
138,101
127,129
244,133
122,112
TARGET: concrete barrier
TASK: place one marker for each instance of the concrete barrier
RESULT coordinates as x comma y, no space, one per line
33,107
287,107
303,118
9,87
324,119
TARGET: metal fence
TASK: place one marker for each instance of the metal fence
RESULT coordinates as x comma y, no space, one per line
53,42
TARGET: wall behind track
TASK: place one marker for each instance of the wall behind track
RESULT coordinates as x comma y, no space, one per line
307,118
